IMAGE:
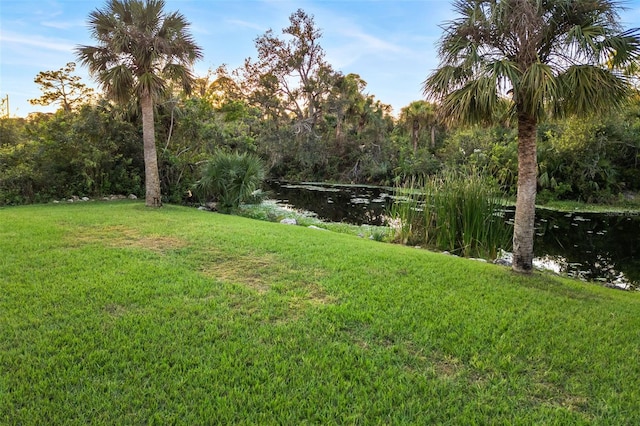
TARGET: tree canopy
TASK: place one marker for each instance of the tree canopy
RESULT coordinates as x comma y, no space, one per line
63,87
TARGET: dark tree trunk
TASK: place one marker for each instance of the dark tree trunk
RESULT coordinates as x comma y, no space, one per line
523,227
415,132
339,138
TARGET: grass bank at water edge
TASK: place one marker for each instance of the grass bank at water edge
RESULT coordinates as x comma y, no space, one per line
112,313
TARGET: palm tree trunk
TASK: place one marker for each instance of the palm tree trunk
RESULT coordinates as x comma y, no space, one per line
433,137
523,227
339,133
153,197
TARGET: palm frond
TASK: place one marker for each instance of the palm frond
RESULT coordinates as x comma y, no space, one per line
151,83
179,73
444,80
473,103
139,46
589,89
523,47
506,73
118,82
622,49
537,87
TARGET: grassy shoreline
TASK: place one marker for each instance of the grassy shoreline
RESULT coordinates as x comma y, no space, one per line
111,313
575,206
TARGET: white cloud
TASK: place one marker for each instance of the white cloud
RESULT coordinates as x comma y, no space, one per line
346,42
15,40
369,42
198,29
62,25
246,24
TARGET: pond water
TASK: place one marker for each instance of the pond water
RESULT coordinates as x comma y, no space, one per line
591,246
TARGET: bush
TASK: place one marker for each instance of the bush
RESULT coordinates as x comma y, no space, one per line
231,179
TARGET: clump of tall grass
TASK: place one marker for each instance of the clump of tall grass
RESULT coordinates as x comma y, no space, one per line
407,213
457,211
231,179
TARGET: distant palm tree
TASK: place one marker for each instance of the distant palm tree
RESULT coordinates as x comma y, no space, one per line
140,49
417,116
549,56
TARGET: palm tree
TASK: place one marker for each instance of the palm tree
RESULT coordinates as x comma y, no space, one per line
416,116
344,100
549,56
140,49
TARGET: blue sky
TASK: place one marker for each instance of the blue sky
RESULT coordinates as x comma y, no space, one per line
390,43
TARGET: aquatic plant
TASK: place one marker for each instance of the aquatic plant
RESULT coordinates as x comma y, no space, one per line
457,211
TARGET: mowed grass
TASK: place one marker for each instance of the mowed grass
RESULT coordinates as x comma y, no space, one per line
112,313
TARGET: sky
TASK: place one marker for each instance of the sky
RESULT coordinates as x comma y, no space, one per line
391,44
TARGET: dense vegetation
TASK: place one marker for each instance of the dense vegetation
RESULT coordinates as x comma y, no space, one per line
113,313
231,179
96,150
141,50
339,133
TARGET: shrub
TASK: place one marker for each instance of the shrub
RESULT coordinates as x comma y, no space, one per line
231,179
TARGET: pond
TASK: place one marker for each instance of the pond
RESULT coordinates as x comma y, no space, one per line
590,246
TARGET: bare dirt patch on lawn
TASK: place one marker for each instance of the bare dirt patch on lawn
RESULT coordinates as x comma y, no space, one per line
121,236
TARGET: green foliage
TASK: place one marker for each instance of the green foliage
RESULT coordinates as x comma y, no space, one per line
589,160
593,160
420,120
192,130
231,179
490,48
544,58
407,214
340,133
459,212
316,123
96,150
88,152
114,314
268,211
493,151
122,61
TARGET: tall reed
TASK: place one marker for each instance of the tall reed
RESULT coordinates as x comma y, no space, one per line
457,211
407,213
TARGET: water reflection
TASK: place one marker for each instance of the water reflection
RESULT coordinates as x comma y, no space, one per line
336,203
594,247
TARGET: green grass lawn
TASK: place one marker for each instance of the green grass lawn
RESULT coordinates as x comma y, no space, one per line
112,313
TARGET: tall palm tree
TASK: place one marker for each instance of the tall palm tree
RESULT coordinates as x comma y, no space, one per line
140,49
549,56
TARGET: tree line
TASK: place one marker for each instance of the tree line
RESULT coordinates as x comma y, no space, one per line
95,148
